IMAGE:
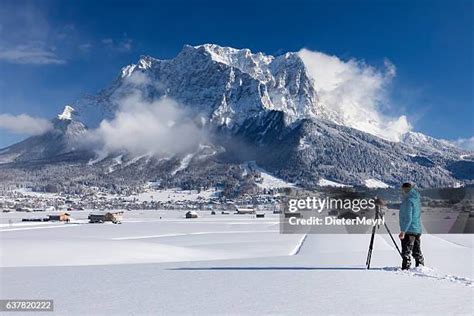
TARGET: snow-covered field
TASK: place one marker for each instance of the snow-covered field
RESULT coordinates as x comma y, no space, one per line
159,263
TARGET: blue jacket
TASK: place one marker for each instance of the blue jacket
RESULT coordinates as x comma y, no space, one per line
410,213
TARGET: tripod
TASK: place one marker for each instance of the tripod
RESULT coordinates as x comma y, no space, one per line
378,215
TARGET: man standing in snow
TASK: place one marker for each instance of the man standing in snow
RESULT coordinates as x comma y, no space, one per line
410,226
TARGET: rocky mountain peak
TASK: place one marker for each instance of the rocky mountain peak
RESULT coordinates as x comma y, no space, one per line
67,113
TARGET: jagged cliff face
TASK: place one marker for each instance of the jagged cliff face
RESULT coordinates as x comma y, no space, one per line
224,85
258,107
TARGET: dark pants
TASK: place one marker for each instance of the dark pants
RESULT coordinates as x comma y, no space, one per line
411,246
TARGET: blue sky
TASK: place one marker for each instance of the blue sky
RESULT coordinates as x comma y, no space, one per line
53,52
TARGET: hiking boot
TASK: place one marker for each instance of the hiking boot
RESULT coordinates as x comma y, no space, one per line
406,264
419,263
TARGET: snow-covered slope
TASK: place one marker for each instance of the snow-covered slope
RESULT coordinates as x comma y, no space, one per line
374,183
327,183
426,144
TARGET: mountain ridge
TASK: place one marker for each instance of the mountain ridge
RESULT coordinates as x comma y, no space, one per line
259,108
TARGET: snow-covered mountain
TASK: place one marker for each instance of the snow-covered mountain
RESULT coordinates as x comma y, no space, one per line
58,144
223,84
258,108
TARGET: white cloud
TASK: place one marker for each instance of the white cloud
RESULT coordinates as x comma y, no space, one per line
26,54
85,47
107,41
125,45
121,45
27,37
465,143
137,79
160,127
24,124
30,37
357,92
